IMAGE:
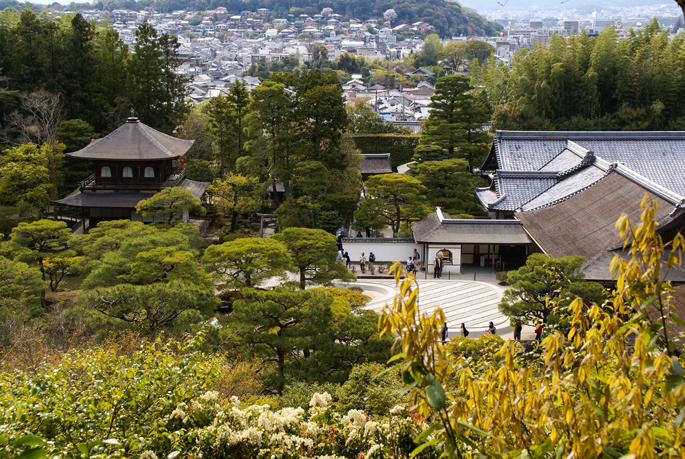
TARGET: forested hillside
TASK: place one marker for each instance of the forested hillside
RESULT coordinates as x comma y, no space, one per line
87,71
448,18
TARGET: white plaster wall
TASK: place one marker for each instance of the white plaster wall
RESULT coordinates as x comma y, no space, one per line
386,252
455,267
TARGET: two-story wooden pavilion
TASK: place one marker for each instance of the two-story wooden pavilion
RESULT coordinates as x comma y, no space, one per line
130,164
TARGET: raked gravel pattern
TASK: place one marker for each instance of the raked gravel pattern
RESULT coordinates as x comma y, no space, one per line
473,303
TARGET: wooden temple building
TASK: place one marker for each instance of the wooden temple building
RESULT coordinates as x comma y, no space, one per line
130,164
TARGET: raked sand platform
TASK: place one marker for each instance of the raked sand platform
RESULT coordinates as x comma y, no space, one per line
473,303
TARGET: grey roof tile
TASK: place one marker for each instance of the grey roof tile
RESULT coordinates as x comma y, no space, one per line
134,141
562,162
658,156
566,188
520,189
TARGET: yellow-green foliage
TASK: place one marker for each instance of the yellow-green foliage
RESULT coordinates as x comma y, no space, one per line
592,394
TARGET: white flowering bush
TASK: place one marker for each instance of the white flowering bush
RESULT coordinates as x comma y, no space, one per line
256,431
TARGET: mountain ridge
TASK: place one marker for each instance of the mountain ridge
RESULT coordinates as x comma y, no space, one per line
449,18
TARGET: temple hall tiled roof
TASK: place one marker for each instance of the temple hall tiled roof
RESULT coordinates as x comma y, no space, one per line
659,156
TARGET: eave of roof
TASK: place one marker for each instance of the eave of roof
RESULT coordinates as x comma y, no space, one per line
439,228
123,199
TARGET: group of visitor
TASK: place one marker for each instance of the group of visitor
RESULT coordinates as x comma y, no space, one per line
345,257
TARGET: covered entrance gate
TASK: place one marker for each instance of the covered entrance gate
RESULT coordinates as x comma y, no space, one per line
502,244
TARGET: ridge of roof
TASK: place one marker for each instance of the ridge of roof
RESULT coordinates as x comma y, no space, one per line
527,174
588,160
146,132
622,169
569,196
464,221
566,135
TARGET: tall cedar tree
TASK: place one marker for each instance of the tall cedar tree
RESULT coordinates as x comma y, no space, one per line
455,120
227,124
157,93
78,85
271,112
112,81
321,118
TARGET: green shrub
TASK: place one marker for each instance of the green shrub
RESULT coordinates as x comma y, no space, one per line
483,348
372,387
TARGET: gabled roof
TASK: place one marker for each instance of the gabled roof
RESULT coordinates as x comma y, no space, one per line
561,175
134,141
440,228
585,223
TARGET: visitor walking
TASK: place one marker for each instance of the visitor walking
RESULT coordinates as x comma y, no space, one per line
409,265
372,259
538,333
517,330
436,267
443,333
491,329
415,265
347,260
464,331
362,261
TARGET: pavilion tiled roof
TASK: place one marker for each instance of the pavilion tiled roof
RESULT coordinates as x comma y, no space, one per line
123,199
134,141
439,228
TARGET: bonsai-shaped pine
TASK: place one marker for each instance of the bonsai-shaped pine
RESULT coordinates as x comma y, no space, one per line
43,239
246,262
173,203
545,286
314,254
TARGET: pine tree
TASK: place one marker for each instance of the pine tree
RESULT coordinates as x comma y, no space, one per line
456,119
156,92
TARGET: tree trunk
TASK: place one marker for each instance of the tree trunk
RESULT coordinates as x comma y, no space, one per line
43,303
281,371
234,220
273,187
398,220
303,279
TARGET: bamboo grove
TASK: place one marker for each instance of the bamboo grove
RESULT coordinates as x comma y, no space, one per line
587,83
